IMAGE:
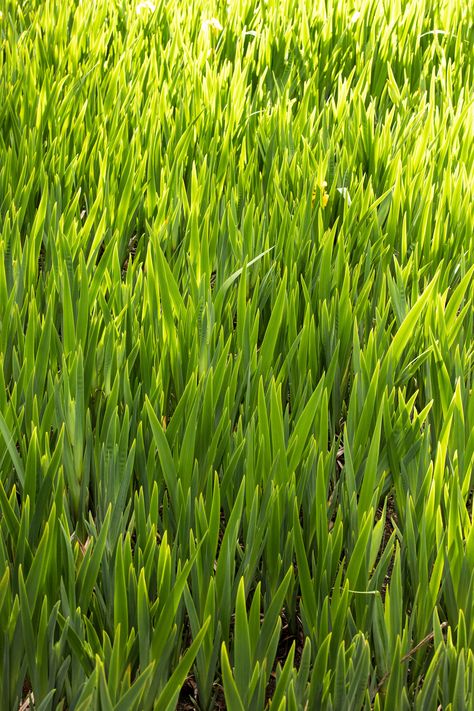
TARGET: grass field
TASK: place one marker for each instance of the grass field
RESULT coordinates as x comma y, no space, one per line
236,355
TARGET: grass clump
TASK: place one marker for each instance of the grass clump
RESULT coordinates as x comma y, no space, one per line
236,355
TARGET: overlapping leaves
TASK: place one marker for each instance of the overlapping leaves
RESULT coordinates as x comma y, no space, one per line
236,355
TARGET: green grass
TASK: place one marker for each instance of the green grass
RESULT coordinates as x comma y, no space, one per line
237,355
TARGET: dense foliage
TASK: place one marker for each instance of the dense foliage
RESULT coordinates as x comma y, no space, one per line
236,355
